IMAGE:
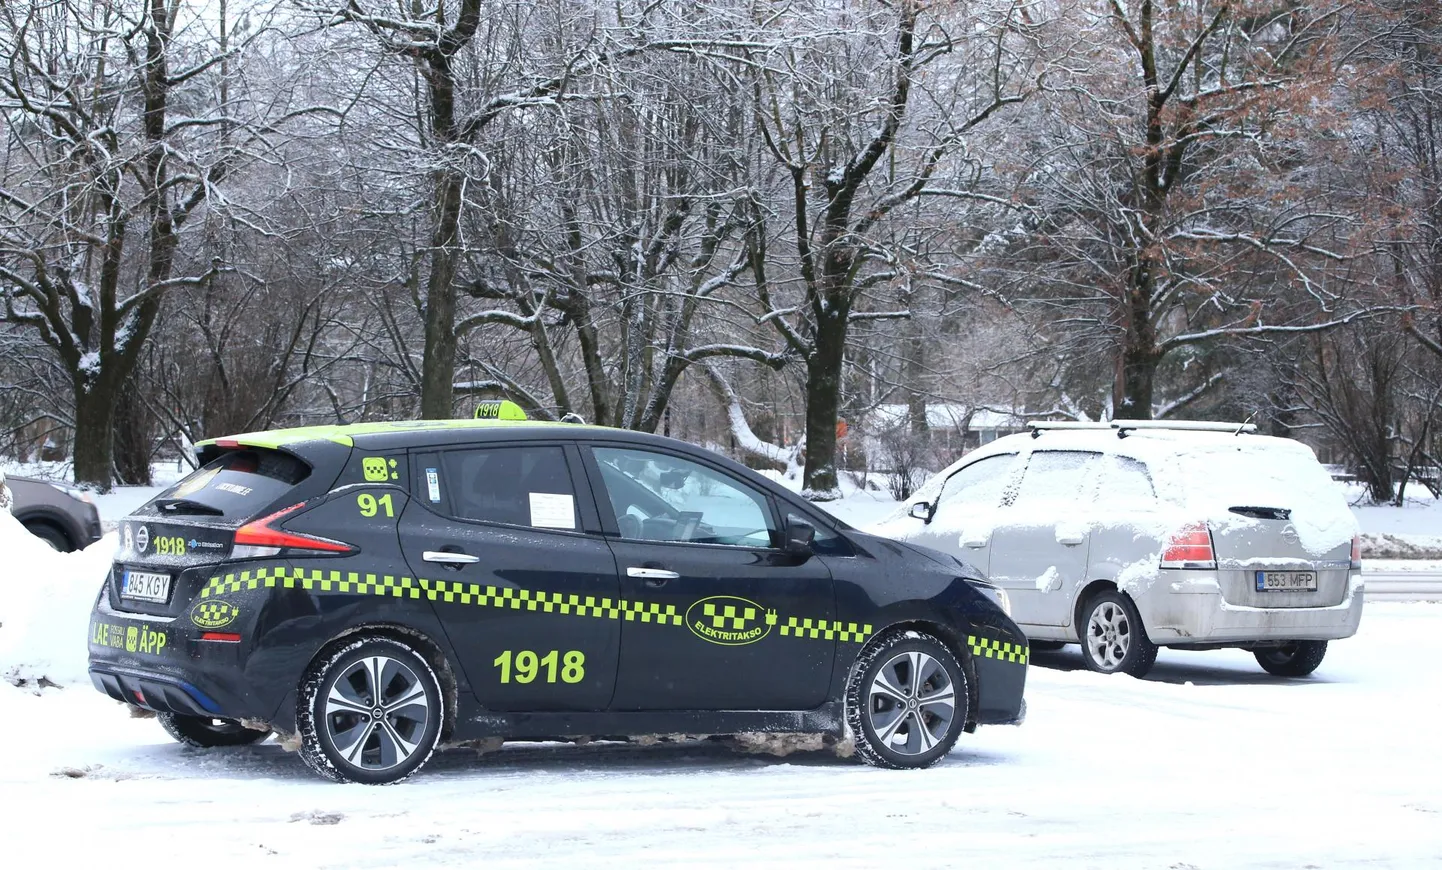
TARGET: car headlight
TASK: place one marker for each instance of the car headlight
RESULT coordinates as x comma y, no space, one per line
74,493
995,593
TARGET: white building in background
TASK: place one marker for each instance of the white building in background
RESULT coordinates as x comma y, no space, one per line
953,429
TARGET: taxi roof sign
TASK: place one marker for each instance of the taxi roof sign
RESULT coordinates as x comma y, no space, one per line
500,409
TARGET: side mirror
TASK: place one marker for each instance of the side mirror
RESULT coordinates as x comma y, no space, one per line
799,535
922,510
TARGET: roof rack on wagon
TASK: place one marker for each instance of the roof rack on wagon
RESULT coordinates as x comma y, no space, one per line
1124,427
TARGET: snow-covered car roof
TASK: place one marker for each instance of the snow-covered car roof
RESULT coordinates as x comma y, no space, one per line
1204,472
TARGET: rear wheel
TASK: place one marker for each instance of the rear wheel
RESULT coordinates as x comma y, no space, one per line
208,733
1296,658
907,701
369,712
1113,638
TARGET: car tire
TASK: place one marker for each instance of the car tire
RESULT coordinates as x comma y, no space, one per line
57,539
906,702
1296,658
1113,639
205,733
345,735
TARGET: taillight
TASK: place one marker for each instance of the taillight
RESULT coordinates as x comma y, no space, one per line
262,538
1190,547
1356,552
221,636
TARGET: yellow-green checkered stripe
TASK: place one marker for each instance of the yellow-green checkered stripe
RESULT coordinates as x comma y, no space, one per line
849,632
314,580
481,595
982,647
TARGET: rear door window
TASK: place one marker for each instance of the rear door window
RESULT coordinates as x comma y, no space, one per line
235,486
1055,477
517,486
1123,482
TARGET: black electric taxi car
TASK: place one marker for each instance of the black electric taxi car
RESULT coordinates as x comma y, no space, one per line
372,591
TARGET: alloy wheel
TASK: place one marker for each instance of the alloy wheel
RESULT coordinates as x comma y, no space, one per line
911,703
376,713
1109,635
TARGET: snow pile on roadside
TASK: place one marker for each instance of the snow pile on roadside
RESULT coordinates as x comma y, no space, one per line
45,601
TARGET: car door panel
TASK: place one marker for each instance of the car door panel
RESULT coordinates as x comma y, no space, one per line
510,595
710,626
965,515
1041,543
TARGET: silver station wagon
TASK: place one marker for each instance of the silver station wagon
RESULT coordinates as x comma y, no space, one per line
1129,535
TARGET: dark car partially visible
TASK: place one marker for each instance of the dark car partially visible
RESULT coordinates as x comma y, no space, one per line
60,515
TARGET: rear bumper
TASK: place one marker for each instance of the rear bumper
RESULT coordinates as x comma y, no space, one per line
1191,609
161,664
161,693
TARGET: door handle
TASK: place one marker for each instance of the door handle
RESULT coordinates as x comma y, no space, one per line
976,541
450,558
652,573
1070,539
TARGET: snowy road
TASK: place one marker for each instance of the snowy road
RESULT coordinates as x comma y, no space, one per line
1209,764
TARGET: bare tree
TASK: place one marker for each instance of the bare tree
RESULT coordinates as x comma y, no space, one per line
1179,207
851,156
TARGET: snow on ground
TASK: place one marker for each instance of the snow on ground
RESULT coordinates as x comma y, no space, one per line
1207,764
45,601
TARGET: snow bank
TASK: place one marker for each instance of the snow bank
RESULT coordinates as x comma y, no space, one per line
45,601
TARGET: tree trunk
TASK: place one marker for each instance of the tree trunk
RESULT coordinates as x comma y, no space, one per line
1134,384
823,405
132,436
94,431
914,374
438,362
1136,375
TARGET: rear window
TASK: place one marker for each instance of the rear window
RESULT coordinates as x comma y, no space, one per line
1274,476
1258,473
234,486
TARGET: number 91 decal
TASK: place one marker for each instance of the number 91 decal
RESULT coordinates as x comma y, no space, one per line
371,506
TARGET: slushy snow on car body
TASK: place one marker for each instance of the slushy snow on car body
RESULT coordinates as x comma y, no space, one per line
1132,535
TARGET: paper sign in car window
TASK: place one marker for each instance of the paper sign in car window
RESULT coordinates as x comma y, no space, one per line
433,485
553,510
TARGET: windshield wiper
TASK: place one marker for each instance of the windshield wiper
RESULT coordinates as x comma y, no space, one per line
186,506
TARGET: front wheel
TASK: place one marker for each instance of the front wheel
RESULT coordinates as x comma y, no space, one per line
207,733
369,712
907,701
1113,638
1296,658
58,540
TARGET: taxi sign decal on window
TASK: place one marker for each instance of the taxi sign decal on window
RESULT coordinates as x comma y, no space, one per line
501,409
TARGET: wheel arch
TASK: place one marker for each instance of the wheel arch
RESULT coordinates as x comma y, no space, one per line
1086,594
953,641
423,643
53,520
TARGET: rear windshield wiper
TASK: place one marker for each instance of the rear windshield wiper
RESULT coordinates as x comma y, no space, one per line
1262,513
186,506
